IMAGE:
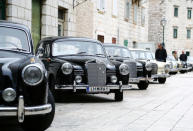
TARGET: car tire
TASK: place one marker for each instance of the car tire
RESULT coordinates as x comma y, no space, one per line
40,122
119,96
161,80
182,72
143,85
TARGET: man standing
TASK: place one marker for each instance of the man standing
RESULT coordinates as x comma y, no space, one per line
183,57
161,54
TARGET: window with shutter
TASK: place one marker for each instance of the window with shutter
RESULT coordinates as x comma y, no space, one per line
142,16
101,5
127,9
176,11
188,33
2,9
189,13
135,13
115,8
175,33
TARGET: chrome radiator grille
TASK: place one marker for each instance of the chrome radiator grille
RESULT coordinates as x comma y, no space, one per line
132,69
96,74
154,69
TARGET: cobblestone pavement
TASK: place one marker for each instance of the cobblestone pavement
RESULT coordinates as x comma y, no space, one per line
160,108
167,107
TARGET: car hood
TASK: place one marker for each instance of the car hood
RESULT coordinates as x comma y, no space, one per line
82,60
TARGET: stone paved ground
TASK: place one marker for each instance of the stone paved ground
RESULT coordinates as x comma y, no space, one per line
160,108
167,107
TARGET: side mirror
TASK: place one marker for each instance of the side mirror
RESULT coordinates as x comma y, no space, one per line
40,52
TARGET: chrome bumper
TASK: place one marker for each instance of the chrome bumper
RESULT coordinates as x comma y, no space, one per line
137,80
174,70
160,76
21,111
183,69
76,87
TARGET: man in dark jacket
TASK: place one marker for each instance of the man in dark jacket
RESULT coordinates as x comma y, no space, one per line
161,54
183,57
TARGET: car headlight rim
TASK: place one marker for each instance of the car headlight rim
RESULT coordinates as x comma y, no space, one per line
124,69
68,66
148,67
38,66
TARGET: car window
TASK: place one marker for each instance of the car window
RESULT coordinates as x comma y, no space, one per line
149,56
117,51
11,39
77,47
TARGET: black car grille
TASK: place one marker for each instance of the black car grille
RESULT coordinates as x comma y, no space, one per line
140,72
96,74
154,69
132,69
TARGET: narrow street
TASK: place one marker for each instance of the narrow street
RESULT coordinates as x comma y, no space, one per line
160,108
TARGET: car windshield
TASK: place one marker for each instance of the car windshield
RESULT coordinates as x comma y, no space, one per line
13,39
72,47
117,52
190,58
171,58
139,54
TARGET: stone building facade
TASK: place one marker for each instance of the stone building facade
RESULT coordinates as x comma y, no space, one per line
114,21
44,17
178,30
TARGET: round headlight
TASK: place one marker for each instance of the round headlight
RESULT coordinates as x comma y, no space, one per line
9,95
33,74
113,79
148,66
67,68
78,79
124,69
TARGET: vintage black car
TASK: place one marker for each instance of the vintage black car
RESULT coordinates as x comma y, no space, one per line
137,70
80,65
24,95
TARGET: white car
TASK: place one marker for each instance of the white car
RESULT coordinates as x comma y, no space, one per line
162,67
174,65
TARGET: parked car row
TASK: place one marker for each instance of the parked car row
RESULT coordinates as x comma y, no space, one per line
29,81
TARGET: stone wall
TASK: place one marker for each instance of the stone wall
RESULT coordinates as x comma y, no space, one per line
159,9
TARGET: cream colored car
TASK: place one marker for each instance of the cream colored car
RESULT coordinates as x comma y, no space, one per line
162,71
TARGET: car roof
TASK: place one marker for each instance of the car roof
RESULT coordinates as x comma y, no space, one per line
136,49
14,24
113,45
58,38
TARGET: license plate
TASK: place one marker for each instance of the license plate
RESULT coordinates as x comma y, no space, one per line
97,89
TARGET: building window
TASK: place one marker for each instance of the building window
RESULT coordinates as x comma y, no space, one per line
176,11
101,38
135,13
189,13
188,33
127,9
61,21
101,5
175,33
114,40
2,9
142,16
115,8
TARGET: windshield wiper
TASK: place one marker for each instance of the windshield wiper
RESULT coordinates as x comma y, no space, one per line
99,54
